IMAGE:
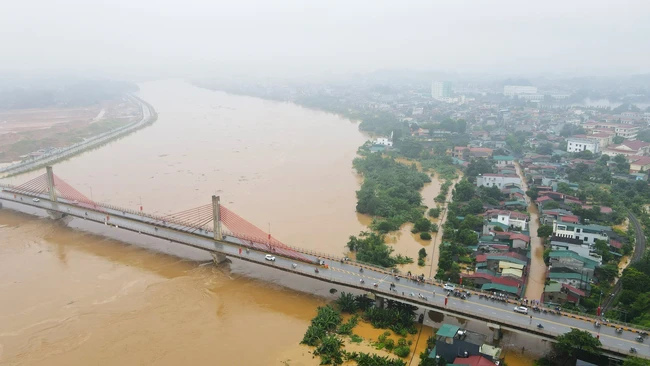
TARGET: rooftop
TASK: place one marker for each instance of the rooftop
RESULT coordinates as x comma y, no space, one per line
447,331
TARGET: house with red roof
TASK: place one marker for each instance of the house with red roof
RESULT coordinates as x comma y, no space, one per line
473,361
629,148
639,163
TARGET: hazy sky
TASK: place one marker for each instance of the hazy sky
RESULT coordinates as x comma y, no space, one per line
585,36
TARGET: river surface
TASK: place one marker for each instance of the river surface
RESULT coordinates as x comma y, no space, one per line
69,297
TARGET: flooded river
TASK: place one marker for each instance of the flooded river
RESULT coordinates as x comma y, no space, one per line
69,297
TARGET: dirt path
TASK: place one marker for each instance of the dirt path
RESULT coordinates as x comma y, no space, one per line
537,270
437,238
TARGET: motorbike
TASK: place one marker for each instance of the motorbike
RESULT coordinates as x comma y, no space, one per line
375,284
639,339
597,324
293,265
360,270
316,270
540,326
632,350
362,281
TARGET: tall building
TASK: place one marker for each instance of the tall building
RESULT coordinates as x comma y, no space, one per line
441,89
511,90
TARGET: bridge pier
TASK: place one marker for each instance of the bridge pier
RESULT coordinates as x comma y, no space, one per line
496,331
219,258
379,302
54,215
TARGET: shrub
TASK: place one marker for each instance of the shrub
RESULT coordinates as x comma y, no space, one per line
402,351
434,212
425,236
355,338
421,262
434,228
401,342
389,344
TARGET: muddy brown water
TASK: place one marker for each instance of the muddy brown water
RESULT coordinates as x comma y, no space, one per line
72,297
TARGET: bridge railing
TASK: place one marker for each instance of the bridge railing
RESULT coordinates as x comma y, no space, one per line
330,257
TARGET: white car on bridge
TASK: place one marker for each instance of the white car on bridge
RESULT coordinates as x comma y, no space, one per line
521,309
449,287
269,257
36,200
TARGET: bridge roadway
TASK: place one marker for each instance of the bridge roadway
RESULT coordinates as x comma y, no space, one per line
147,114
348,274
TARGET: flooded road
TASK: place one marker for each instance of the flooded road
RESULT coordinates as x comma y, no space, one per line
537,271
69,297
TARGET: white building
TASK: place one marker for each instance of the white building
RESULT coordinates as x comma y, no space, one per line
383,141
580,144
497,180
440,89
509,218
512,90
587,233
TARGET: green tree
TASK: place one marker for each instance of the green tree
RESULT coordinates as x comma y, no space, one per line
467,237
551,205
434,212
475,206
544,231
622,166
567,343
425,236
607,273
421,225
618,139
479,166
464,191
634,280
346,302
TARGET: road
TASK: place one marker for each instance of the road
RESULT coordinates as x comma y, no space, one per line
345,274
147,114
639,250
537,270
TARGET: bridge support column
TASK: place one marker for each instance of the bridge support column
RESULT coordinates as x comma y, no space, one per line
50,183
379,302
216,217
54,215
219,258
496,331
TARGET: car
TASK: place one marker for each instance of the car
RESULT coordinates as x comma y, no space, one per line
521,309
75,202
269,257
449,287
36,200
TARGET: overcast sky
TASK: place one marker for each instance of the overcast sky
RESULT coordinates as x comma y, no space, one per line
519,36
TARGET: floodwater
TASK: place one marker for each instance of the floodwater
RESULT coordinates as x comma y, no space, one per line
537,270
71,297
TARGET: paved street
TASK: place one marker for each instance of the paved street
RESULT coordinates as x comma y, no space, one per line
345,273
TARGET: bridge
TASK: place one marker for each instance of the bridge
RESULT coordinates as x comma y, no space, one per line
219,231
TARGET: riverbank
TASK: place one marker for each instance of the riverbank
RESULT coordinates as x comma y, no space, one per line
149,116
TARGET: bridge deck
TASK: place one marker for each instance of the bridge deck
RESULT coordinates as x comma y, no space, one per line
343,273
